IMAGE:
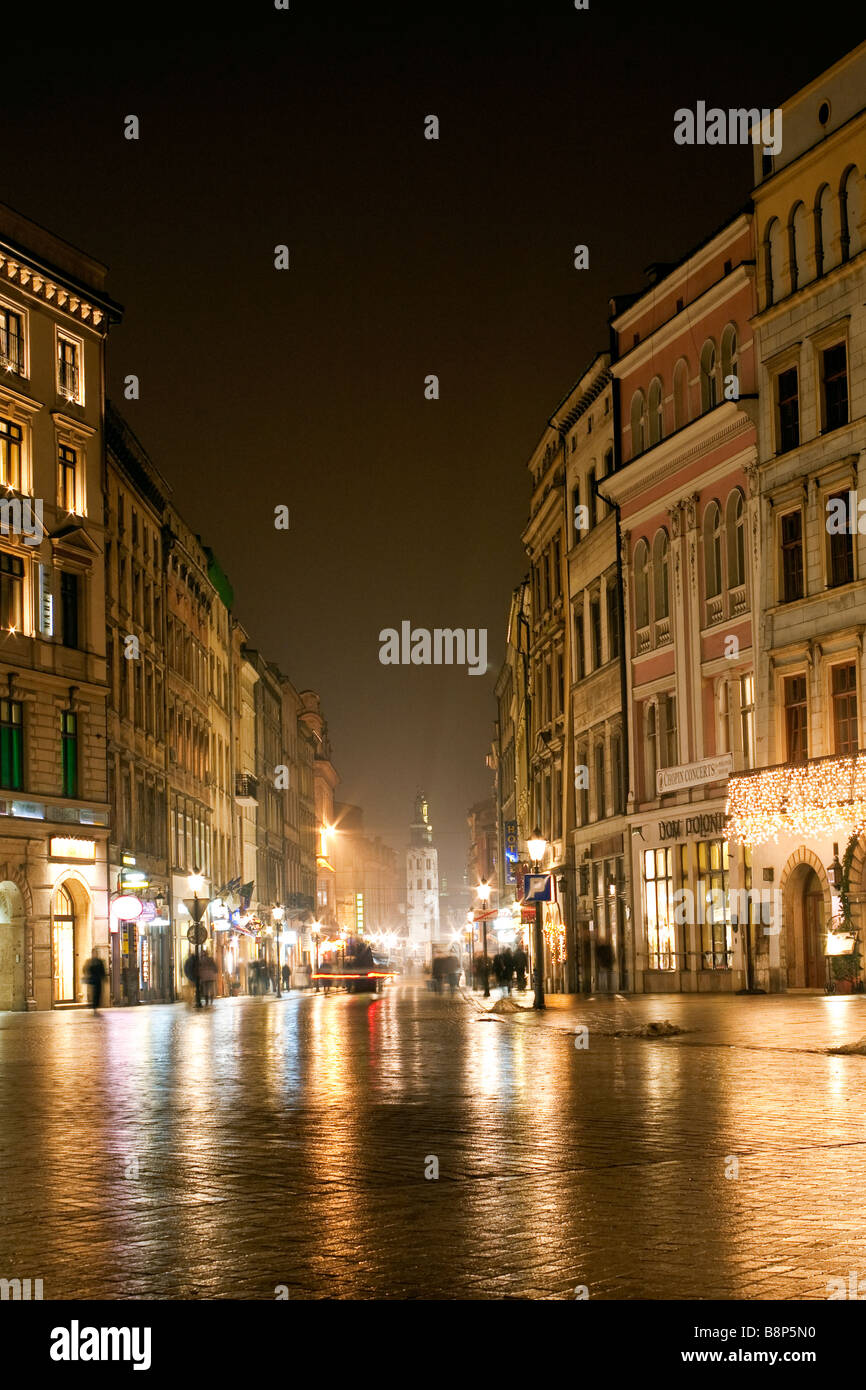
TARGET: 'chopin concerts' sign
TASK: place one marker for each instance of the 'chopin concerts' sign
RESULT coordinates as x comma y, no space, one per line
674,779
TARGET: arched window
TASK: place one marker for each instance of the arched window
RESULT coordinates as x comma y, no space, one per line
709,376
730,356
825,230
638,424
713,550
681,394
797,245
656,413
773,260
661,588
850,210
641,584
735,528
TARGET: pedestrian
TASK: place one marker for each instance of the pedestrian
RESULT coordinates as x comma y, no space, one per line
499,969
285,973
507,967
93,975
521,965
208,971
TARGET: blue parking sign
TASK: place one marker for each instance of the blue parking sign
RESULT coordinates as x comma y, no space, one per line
537,888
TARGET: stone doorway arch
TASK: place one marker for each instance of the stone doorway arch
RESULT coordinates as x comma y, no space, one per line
13,947
806,910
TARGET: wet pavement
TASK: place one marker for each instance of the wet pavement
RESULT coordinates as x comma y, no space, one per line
160,1153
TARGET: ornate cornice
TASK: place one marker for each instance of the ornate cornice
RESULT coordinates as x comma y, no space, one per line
14,271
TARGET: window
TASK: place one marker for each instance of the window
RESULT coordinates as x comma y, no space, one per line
10,454
641,584
834,382
69,752
616,771
668,730
656,412
595,631
792,556
850,209
736,537
575,501
713,904
747,719
709,376
579,654
681,394
797,245
773,249
11,750
661,590
638,424
650,749
612,622
600,790
796,720
69,369
730,355
787,409
582,789
67,462
591,499
840,568
825,231
11,341
713,550
658,877
844,691
11,591
69,608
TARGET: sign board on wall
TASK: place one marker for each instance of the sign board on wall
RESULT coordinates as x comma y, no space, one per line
673,779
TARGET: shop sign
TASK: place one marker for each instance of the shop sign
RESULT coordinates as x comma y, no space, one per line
70,847
672,779
711,824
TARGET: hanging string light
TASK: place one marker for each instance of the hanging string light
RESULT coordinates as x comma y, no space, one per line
826,796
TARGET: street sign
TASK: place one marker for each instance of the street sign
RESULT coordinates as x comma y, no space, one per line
491,912
537,888
196,935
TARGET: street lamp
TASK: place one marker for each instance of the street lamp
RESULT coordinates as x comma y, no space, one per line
470,927
196,908
537,846
277,914
316,926
484,894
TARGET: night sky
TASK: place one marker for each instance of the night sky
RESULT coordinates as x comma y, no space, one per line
408,257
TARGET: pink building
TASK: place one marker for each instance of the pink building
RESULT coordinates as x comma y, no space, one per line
685,388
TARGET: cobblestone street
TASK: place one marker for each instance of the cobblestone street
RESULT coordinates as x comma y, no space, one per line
156,1153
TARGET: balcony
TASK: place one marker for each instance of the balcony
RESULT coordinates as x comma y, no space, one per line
246,789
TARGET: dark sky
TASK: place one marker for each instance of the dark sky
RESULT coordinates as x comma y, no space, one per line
408,257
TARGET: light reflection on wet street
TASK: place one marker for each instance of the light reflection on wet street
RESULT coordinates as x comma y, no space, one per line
156,1153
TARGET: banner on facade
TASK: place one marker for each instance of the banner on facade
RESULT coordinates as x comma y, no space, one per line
672,779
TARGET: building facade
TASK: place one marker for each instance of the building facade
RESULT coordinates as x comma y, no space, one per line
422,887
54,800
800,816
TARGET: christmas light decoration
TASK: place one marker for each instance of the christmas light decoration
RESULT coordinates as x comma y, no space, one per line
825,796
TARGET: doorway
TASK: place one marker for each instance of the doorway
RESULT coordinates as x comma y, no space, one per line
63,947
804,931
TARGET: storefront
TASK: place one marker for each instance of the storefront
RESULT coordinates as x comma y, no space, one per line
688,934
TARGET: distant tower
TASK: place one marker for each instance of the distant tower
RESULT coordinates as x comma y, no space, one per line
422,884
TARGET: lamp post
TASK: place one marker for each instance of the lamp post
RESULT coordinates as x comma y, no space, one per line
316,926
470,927
484,894
537,846
277,915
196,908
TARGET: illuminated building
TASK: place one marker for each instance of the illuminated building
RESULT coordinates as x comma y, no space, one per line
806,799
684,397
135,501
54,317
422,886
